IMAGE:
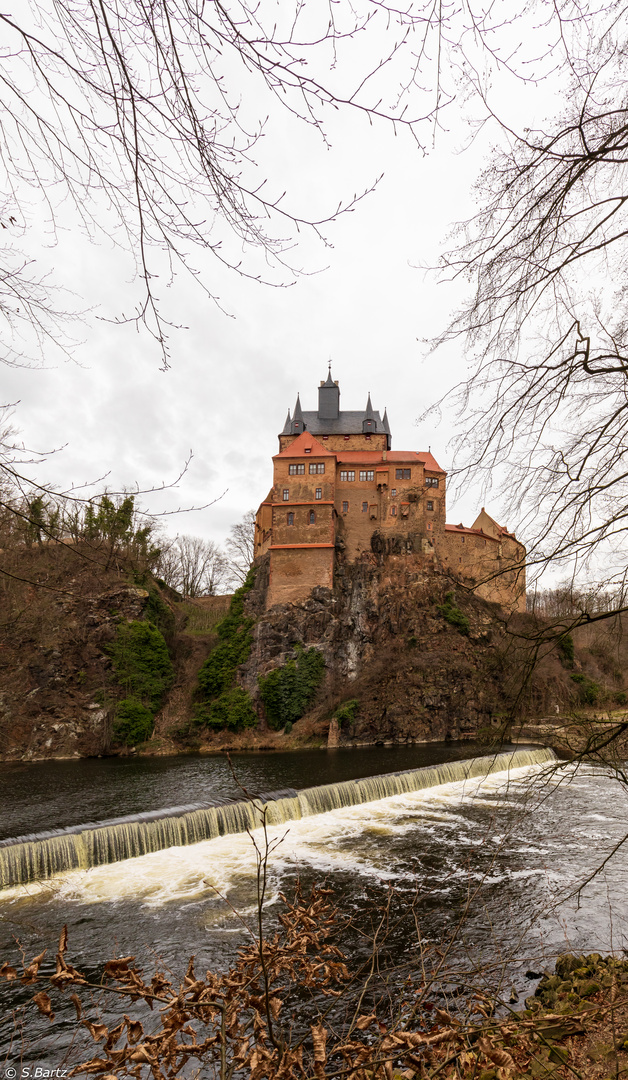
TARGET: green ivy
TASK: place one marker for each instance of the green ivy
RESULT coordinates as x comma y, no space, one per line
142,663
287,691
220,703
453,615
133,722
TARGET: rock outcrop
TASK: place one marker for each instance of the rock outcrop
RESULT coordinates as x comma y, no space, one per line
385,643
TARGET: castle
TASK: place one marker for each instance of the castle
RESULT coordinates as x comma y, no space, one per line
340,491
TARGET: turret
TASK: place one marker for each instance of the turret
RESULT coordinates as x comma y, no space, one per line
369,424
298,424
328,399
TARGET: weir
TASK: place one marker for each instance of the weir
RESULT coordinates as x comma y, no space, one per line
25,859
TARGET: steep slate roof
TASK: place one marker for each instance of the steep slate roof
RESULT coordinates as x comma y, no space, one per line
349,422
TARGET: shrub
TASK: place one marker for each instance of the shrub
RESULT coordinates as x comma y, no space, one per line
346,713
453,615
233,648
566,650
233,709
133,722
287,691
621,697
288,728
221,704
141,662
589,692
159,614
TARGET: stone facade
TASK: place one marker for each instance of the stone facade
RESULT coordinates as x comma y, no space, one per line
340,492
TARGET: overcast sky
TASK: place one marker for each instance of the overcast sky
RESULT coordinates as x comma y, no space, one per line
366,303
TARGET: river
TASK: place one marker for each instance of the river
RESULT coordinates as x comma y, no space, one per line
522,842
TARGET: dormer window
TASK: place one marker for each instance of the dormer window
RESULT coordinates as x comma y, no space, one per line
308,449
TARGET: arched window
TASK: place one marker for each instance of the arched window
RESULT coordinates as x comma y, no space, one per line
291,519
312,517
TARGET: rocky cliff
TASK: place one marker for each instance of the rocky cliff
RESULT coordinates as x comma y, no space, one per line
408,656
388,646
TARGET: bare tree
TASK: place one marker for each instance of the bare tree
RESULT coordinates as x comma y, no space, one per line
141,123
193,566
545,412
130,118
241,547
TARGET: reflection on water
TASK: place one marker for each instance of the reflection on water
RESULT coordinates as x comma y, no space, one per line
517,844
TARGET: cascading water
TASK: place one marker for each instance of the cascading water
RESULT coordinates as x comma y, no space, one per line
33,858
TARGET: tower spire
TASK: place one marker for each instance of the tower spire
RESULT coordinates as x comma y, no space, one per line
298,425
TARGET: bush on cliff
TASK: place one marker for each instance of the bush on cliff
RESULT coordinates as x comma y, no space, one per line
233,710
589,692
142,663
142,666
221,704
566,650
287,691
453,615
347,711
133,722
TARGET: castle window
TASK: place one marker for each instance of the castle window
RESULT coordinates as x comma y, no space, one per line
393,492
346,438
402,474
312,517
462,538
431,481
319,493
347,474
345,507
296,470
368,438
325,437
317,467
290,519
308,449
393,511
365,507
367,474
429,526
286,494
430,504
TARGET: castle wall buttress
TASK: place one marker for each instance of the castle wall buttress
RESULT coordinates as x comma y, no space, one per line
294,572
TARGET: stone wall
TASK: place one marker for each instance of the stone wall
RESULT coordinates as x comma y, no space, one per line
295,571
338,443
484,559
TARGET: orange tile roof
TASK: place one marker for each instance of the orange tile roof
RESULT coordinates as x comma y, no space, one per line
472,532
393,457
304,442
